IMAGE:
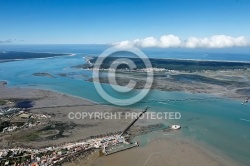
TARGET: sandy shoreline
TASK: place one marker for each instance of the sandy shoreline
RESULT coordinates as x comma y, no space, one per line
162,151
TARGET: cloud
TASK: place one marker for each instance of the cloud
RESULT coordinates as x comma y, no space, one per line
167,41
125,43
147,42
170,41
217,41
10,41
6,41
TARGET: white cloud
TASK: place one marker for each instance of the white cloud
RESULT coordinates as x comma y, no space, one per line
217,41
125,43
166,41
170,41
147,42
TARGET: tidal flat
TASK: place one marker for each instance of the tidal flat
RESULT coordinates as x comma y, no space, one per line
171,150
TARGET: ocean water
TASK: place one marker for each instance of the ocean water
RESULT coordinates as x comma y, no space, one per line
223,124
226,54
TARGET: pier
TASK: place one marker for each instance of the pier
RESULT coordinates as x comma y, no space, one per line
133,122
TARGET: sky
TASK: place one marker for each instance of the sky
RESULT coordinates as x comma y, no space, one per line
143,23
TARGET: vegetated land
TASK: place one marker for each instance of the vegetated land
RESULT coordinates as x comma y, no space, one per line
13,55
171,64
3,102
215,77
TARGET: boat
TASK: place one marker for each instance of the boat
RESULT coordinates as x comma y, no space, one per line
175,127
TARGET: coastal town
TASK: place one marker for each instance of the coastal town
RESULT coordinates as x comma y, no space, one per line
59,154
18,119
14,119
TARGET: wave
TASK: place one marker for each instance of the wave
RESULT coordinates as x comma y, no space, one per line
247,120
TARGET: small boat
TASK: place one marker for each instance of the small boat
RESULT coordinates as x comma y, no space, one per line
175,127
246,101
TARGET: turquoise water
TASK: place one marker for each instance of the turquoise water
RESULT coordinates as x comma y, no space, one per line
216,122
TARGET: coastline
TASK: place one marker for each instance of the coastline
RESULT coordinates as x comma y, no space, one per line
54,55
167,151
83,128
172,147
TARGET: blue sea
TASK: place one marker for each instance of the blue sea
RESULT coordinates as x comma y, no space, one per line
223,124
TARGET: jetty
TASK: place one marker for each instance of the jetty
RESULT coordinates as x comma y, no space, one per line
133,122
